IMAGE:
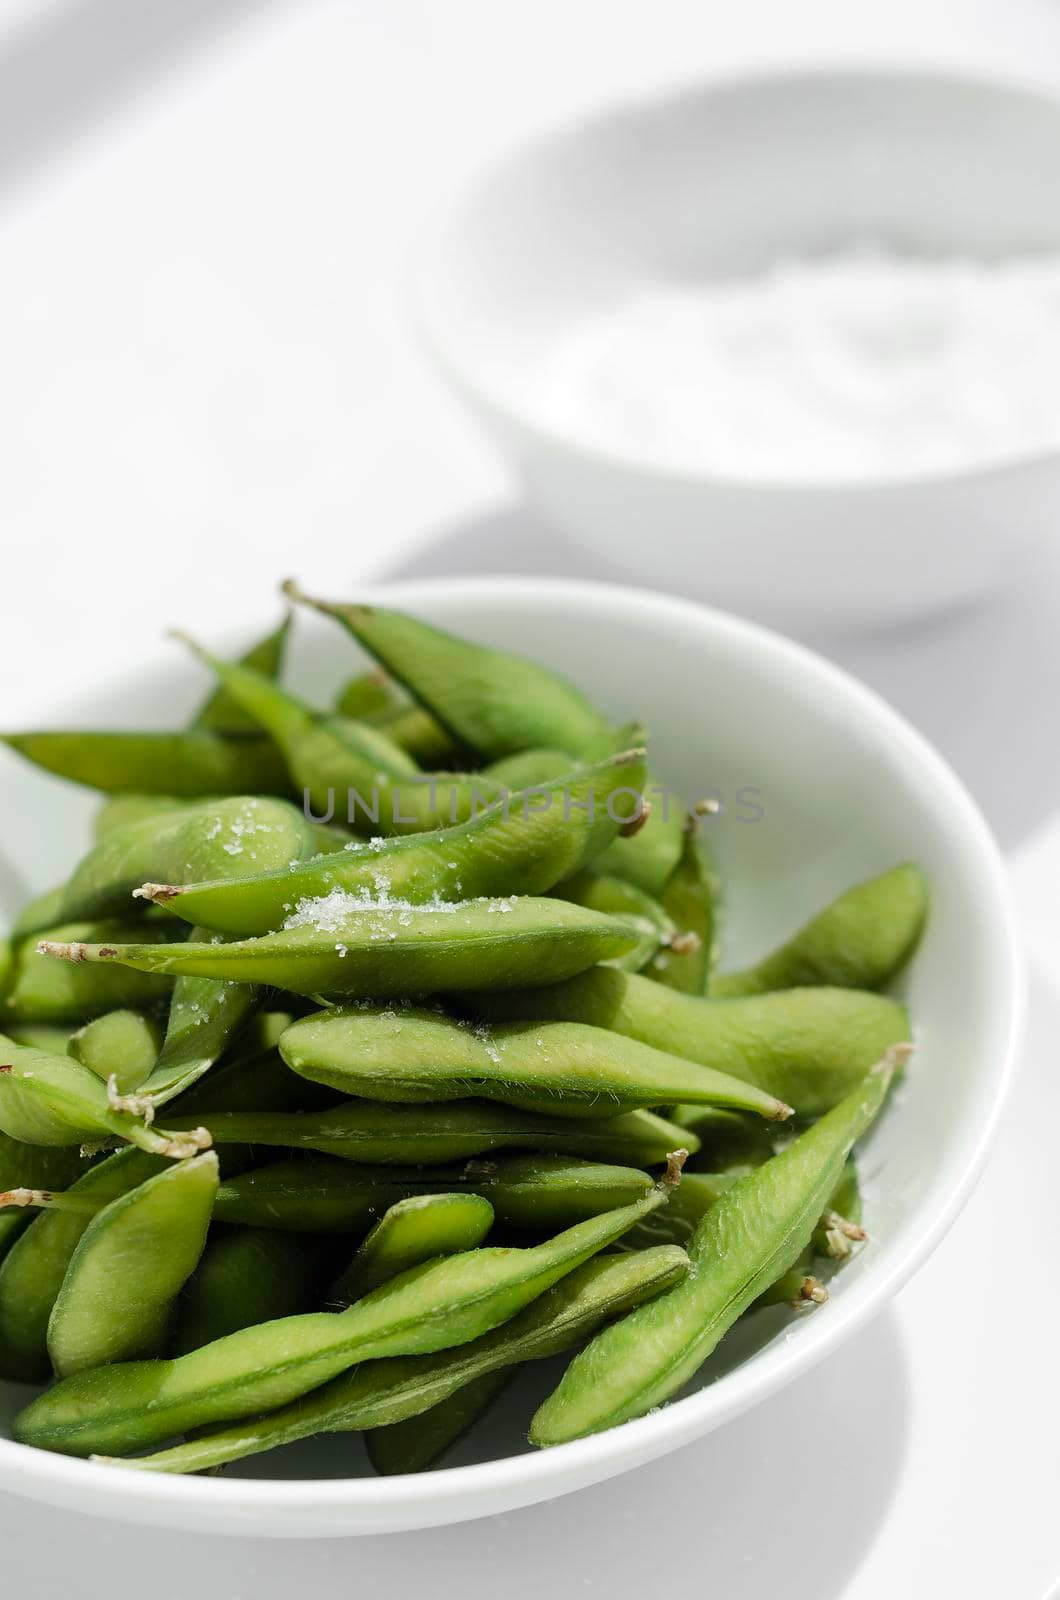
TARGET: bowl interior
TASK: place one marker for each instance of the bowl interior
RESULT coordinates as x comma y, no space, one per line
820,785
723,180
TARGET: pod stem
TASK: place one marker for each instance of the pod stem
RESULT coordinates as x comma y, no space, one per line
671,1178
74,951
175,1146
159,893
630,829
45,1199
291,589
811,1292
894,1058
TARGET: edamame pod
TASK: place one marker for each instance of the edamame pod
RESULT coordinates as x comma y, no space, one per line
861,941
215,838
47,1099
746,1241
119,1047
118,1297
433,1307
559,1068
205,1014
420,735
524,845
490,701
344,947
369,696
409,1232
386,1392
190,764
333,762
245,1276
51,992
324,1194
806,1046
395,1135
688,898
617,898
32,1274
221,711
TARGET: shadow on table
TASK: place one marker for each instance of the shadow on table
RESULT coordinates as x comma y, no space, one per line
786,1500
73,64
974,682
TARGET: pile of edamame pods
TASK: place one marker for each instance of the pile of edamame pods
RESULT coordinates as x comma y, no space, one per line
357,1062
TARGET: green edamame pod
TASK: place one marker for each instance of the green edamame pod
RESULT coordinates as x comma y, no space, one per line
492,702
861,941
118,1297
411,1231
396,1135
189,764
433,1307
523,846
421,1440
345,947
384,1393
369,697
215,838
745,1242
420,735
224,713
332,761
558,1068
51,992
119,1047
245,1276
688,898
324,1194
806,1046
47,1099
618,898
32,1274
205,1014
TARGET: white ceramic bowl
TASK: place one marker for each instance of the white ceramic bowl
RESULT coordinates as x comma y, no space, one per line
847,788
720,182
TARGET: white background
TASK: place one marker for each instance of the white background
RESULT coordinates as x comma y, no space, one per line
206,381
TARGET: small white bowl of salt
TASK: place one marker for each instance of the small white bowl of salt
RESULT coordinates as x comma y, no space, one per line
791,344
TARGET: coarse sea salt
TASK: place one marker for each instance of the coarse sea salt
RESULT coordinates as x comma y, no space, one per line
866,363
330,913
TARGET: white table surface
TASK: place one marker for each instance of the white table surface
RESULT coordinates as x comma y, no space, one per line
206,381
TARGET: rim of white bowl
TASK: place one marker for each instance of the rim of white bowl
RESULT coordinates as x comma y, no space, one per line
522,1479
485,397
